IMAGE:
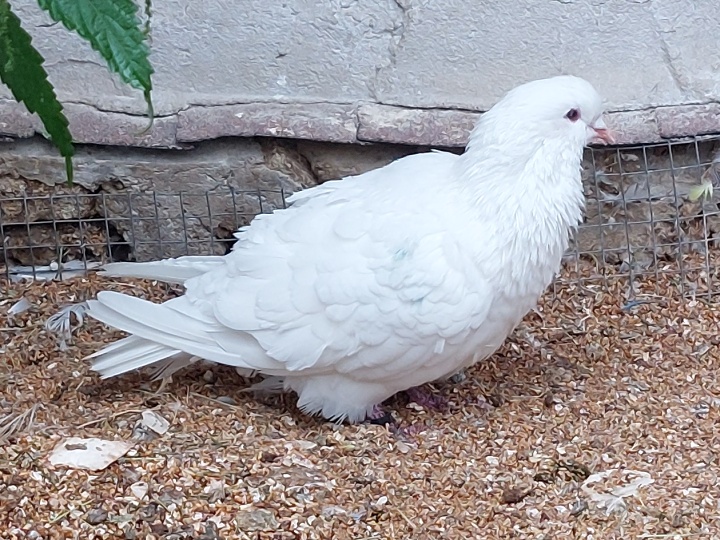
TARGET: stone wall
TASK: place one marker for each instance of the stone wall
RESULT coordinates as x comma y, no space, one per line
391,71
142,204
148,204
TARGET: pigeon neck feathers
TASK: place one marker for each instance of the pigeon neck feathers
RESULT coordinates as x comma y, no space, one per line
522,171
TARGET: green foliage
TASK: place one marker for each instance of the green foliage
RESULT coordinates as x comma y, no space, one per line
21,69
704,191
112,28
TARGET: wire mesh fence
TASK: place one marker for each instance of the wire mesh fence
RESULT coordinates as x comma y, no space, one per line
48,235
640,221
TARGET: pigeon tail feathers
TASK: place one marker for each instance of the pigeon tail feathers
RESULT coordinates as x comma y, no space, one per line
166,336
176,271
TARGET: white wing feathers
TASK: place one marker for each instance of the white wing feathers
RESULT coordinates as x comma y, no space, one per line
376,283
351,279
167,325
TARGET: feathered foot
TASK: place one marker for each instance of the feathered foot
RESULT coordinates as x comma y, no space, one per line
380,417
427,399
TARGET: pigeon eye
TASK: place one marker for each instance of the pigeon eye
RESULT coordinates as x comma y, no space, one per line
573,115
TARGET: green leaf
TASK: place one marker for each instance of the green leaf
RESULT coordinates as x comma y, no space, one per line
148,16
704,191
21,69
113,29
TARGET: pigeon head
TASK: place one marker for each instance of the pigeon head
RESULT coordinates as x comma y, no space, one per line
563,107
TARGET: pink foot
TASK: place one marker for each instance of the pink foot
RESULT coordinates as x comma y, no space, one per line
427,399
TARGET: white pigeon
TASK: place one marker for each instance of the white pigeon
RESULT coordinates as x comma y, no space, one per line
383,281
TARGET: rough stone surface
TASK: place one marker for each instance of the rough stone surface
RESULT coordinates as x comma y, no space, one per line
24,202
411,53
162,203
638,54
325,122
15,120
634,126
42,244
224,188
689,121
148,204
91,126
334,161
368,123
437,127
304,70
422,127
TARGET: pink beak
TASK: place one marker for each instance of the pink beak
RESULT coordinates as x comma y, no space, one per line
602,132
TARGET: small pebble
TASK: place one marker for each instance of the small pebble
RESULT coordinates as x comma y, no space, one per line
594,351
269,457
459,377
495,400
96,516
514,495
578,508
549,399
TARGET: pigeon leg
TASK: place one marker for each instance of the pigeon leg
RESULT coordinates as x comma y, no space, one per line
380,417
427,399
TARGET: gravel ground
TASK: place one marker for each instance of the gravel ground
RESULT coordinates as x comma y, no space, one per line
597,419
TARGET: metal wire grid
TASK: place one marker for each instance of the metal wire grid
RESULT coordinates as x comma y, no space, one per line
678,237
47,237
135,226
